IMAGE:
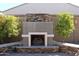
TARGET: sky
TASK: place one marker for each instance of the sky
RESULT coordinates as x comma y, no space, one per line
7,4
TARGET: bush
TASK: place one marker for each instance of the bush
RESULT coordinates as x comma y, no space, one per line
65,24
10,26
2,28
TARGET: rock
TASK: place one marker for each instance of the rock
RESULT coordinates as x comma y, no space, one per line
69,50
36,50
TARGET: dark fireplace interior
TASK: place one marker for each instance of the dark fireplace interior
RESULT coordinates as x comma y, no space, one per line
37,40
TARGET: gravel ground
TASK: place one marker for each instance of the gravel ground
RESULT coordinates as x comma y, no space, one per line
35,54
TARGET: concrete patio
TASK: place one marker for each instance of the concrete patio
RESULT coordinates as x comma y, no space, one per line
37,54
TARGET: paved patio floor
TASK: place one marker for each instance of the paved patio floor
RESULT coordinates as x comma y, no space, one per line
36,54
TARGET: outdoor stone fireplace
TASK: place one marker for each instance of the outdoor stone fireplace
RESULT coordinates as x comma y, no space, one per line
37,29
37,33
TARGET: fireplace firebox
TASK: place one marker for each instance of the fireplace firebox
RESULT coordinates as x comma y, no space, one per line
37,40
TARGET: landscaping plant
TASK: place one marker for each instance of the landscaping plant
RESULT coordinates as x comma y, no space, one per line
13,26
65,24
10,26
2,28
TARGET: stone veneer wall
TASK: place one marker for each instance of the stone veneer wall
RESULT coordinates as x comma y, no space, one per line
38,50
71,49
38,18
68,48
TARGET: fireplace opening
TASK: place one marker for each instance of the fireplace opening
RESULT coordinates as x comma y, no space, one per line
37,40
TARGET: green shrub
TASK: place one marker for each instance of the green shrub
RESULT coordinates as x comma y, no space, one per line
65,24
10,26
2,28
13,26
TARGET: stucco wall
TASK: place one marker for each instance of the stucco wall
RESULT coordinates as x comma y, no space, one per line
37,27
50,41
25,41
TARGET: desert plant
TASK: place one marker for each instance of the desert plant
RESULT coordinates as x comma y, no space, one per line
65,24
